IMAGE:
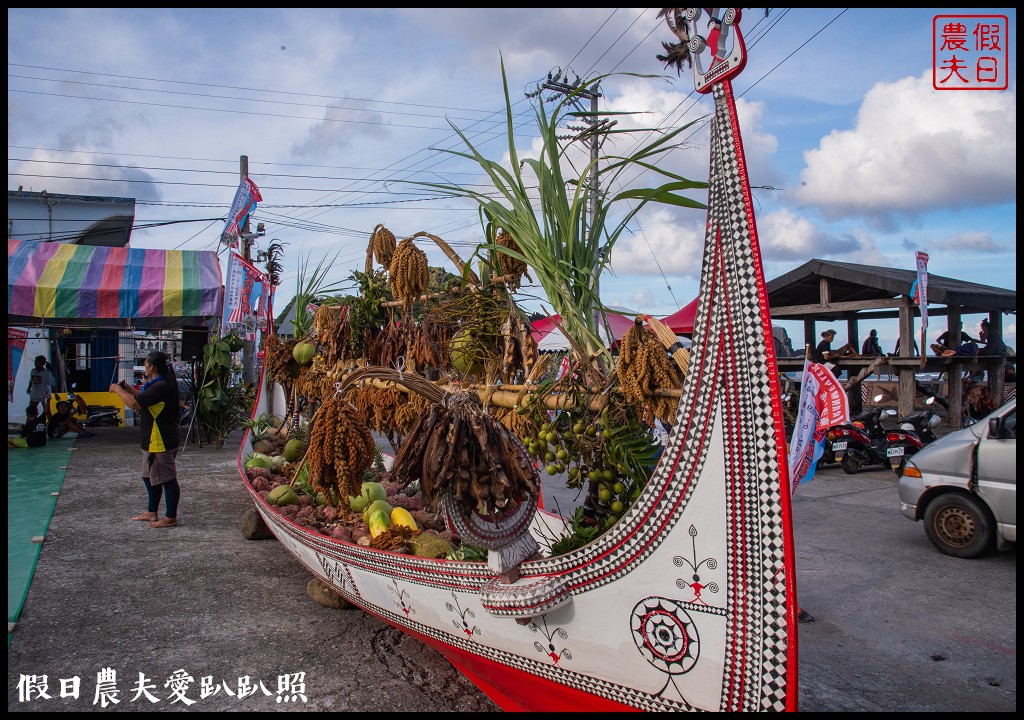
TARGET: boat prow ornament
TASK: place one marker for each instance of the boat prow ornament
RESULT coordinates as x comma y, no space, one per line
687,601
506,536
728,53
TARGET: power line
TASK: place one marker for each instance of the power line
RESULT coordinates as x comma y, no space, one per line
246,89
194,170
261,101
229,110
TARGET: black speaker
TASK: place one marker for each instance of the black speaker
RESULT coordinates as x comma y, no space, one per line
193,339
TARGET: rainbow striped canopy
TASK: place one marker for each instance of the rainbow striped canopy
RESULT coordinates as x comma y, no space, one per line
110,286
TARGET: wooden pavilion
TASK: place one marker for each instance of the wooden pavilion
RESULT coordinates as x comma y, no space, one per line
828,292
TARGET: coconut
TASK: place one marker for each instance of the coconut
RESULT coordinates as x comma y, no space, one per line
466,352
294,450
371,491
282,495
259,460
304,352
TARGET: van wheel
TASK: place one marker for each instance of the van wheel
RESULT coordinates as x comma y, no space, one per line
959,525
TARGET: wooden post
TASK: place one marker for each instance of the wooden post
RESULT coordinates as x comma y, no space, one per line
907,391
956,396
997,381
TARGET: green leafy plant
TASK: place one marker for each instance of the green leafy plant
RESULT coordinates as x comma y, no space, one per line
311,286
367,314
581,533
565,248
469,553
221,406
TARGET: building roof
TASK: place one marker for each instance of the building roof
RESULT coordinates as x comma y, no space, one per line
57,284
70,219
851,283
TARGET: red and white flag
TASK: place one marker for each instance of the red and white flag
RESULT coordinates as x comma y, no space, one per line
244,296
922,288
823,403
243,206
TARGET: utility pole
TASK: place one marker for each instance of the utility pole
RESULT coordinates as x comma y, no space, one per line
591,133
245,240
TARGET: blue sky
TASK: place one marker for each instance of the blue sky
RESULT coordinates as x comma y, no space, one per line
856,157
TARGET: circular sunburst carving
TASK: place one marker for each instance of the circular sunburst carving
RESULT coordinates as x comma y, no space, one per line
665,635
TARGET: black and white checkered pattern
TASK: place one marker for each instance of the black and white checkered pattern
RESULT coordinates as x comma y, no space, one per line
722,459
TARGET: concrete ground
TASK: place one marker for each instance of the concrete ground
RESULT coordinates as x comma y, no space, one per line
199,600
899,626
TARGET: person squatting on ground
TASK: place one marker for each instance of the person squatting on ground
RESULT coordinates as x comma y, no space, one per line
40,385
157,404
64,421
33,434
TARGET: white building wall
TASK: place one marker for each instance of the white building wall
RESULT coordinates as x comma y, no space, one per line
37,343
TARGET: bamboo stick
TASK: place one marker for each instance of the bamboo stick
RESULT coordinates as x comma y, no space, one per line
511,399
668,338
501,279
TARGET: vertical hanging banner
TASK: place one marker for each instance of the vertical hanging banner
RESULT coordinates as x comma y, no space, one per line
16,339
823,403
243,206
244,299
922,298
922,290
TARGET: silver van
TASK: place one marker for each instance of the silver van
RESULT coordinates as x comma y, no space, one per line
964,486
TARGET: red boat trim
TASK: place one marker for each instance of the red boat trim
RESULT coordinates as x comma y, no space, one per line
726,389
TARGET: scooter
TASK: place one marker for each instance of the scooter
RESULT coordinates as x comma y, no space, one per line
859,443
867,420
913,434
95,415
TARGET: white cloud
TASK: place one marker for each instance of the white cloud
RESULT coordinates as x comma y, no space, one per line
784,235
915,150
664,241
340,129
82,174
969,242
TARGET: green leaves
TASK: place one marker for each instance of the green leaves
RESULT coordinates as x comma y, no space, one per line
633,448
562,225
309,287
221,405
582,533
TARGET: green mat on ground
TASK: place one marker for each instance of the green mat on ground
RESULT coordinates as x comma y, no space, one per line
33,475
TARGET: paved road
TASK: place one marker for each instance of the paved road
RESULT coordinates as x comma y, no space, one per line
900,627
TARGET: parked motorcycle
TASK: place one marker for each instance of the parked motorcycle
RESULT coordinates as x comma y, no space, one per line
865,418
914,433
95,415
859,443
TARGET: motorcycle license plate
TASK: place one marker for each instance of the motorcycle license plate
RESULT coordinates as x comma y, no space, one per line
839,447
895,456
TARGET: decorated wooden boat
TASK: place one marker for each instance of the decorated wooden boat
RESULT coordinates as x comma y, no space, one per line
688,601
